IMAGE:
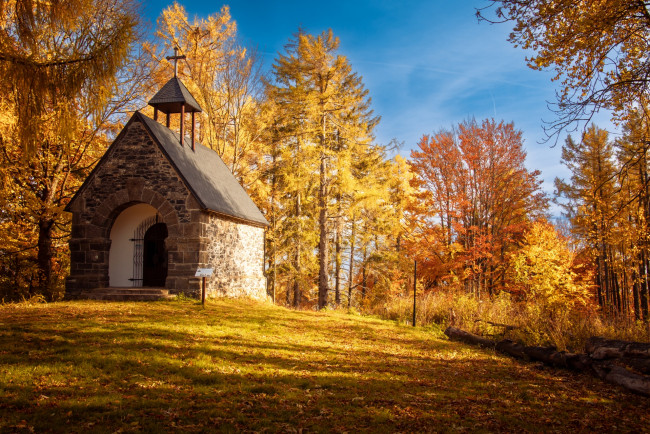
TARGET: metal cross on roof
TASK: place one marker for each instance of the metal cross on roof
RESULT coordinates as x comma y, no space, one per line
175,58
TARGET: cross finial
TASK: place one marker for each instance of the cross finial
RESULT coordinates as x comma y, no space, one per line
175,58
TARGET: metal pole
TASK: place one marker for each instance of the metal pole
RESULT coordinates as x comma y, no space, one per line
415,283
203,293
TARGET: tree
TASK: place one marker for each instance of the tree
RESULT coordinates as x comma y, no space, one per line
223,76
53,53
477,196
597,49
63,64
544,267
293,163
328,113
590,202
550,281
634,201
380,217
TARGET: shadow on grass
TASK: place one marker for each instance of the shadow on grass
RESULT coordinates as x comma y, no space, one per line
238,366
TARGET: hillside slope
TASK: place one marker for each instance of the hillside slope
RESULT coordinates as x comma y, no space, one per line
244,366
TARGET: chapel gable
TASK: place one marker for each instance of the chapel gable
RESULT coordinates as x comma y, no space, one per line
158,206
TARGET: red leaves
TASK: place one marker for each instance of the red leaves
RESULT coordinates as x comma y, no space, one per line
475,197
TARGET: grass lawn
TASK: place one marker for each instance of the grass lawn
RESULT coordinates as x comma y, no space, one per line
245,366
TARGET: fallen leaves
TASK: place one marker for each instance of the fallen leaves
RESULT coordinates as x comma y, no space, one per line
304,373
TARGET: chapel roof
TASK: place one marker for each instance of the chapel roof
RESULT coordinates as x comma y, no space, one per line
172,95
205,174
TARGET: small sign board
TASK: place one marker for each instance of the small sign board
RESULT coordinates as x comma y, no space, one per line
203,272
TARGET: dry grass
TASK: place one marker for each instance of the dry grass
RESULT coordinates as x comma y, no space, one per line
533,324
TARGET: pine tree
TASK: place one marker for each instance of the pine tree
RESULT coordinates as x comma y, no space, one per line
590,199
331,109
635,209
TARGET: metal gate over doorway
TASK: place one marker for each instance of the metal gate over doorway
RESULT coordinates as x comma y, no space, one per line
149,253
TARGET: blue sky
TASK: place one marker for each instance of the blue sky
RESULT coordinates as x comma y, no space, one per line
427,64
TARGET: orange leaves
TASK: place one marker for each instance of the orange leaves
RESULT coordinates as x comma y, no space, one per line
474,196
598,51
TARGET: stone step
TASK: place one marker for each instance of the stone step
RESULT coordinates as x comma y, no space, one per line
127,294
145,290
125,297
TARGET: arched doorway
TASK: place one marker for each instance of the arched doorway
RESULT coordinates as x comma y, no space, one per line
154,257
126,265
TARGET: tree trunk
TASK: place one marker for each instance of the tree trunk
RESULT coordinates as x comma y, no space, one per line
511,348
288,294
605,370
643,245
616,293
274,258
601,349
622,377
606,280
643,274
469,338
599,282
274,275
551,357
337,258
635,296
297,266
364,275
351,265
624,287
44,258
323,244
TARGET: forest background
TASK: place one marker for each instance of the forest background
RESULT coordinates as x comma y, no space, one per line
349,216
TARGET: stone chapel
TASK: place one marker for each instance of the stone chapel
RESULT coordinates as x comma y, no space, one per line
159,205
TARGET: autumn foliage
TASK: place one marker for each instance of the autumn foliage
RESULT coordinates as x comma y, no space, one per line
606,201
348,216
474,199
60,81
596,51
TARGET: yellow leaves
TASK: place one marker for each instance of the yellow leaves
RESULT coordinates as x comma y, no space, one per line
543,266
223,77
55,60
325,163
597,49
455,248
7,117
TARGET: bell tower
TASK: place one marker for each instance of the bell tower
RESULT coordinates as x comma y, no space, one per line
175,98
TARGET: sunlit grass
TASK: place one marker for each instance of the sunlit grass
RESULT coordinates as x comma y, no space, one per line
245,366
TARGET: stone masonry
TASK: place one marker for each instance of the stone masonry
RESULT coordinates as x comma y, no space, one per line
136,171
236,253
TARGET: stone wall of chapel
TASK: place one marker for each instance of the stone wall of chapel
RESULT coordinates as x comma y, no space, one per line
135,171
236,253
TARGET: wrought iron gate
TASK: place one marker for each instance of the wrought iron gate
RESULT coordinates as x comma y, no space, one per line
138,249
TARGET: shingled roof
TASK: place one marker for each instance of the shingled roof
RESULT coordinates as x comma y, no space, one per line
172,95
205,174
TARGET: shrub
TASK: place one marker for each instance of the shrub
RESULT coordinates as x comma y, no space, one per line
531,323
